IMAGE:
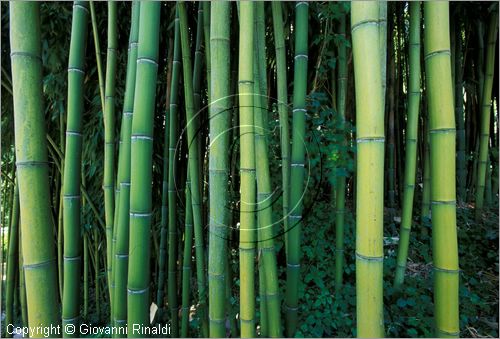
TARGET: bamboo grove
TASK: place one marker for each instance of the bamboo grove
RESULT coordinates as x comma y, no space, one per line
244,169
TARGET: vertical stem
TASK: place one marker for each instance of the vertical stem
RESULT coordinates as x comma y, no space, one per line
279,43
122,221
164,199
411,142
32,167
341,180
484,131
12,259
172,163
141,167
109,142
219,105
247,171
193,145
297,166
268,271
186,268
73,169
370,138
442,167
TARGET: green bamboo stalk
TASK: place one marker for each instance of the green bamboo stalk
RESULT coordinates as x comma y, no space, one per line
164,198
72,169
279,43
370,139
219,124
186,262
442,167
60,268
341,180
22,285
193,146
58,152
411,142
485,113
32,167
172,175
268,271
60,230
141,167
109,140
97,47
247,171
206,32
297,167
12,259
198,61
121,253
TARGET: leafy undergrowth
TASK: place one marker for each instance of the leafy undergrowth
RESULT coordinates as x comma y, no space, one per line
408,313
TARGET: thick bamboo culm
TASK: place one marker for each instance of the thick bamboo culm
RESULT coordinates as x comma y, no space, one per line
141,167
268,272
370,139
39,261
442,136
247,171
218,165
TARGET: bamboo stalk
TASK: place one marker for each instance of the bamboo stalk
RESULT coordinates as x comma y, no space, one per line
370,139
247,171
95,32
22,284
411,142
141,167
485,113
281,79
72,170
109,142
12,259
297,167
442,168
341,180
219,125
32,168
164,197
121,253
172,172
268,271
194,166
186,266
